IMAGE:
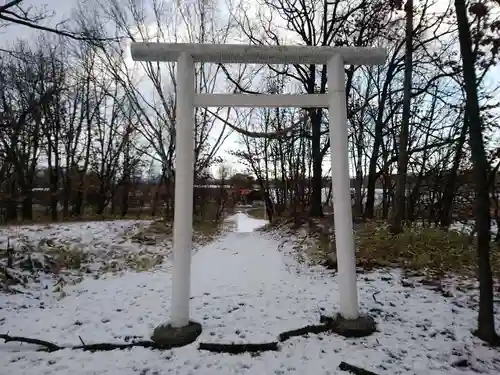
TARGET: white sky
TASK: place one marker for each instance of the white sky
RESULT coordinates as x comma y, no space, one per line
62,10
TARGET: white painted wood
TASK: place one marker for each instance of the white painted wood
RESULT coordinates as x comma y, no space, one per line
341,190
250,54
264,100
184,176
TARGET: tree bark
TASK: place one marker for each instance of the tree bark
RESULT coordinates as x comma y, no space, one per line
27,205
66,192
400,196
11,205
77,209
486,321
316,209
445,214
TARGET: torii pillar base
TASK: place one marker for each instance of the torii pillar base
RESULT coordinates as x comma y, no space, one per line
362,326
167,336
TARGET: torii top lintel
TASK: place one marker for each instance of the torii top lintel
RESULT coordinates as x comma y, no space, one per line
250,54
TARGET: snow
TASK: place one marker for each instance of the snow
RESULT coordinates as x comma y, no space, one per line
247,287
467,227
101,246
246,224
93,235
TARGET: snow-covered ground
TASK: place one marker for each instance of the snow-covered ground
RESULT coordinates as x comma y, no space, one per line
84,248
94,233
246,287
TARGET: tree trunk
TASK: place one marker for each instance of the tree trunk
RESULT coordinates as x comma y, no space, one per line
400,196
54,185
156,197
445,214
377,141
113,201
358,187
11,205
486,320
372,171
125,197
386,194
79,196
27,205
316,209
101,202
386,185
67,194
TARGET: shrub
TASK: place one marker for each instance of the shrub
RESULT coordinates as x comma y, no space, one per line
431,251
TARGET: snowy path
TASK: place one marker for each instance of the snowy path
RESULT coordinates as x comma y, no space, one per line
246,288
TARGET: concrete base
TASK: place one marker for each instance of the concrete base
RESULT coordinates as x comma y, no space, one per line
363,326
166,336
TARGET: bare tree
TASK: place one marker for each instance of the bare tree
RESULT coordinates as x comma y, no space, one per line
13,12
400,196
486,320
24,95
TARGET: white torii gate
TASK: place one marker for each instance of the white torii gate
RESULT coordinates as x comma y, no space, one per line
335,100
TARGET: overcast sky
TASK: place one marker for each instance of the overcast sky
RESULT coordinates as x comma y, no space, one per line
63,9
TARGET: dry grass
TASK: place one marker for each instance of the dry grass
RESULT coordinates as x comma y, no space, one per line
206,231
431,250
203,231
428,251
67,261
66,258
